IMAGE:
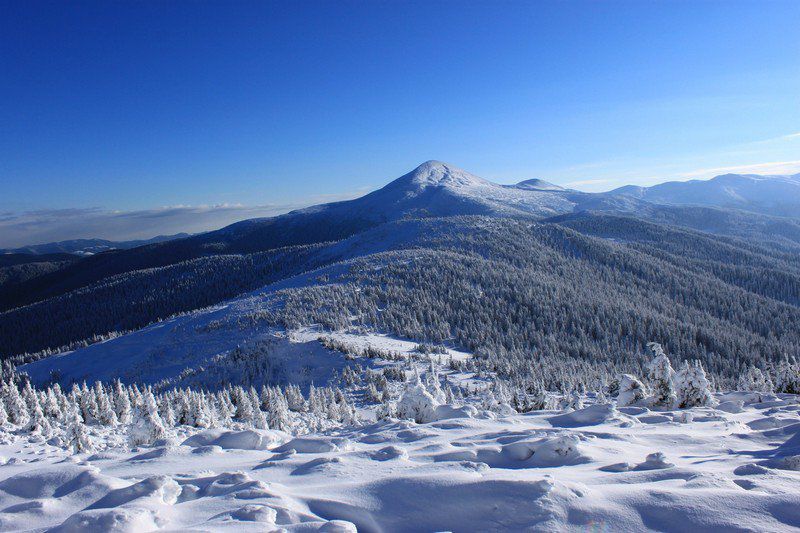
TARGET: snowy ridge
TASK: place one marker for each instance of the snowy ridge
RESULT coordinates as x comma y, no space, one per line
772,195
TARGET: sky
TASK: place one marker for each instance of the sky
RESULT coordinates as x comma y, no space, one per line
215,112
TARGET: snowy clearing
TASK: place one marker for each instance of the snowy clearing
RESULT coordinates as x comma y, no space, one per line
731,468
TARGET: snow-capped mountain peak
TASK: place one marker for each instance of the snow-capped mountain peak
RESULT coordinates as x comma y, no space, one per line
438,174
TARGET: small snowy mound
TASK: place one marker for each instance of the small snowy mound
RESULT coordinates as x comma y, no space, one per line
388,453
654,461
589,416
159,489
249,439
54,482
116,520
338,526
314,445
555,451
254,513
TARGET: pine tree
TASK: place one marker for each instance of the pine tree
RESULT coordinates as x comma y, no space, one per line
787,376
631,391
278,413
15,406
38,423
88,405
122,403
417,403
105,410
147,426
76,437
661,375
244,409
755,380
693,388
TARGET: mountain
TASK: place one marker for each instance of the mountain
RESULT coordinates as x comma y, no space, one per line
87,246
433,189
771,195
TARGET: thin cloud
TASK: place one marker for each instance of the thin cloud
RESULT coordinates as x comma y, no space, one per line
770,168
592,185
19,229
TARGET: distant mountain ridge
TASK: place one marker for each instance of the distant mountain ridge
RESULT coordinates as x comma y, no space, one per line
433,189
772,195
88,246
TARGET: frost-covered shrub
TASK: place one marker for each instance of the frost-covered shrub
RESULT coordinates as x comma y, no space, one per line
631,391
693,388
416,403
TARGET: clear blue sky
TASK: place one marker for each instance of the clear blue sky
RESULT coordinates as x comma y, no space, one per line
144,104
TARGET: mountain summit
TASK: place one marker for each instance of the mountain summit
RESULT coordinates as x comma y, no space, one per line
439,174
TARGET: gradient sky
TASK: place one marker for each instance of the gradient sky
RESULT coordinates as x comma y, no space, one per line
134,106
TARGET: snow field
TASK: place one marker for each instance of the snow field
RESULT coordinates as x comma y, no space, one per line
597,467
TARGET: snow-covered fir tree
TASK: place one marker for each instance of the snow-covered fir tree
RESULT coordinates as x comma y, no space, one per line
692,387
755,380
661,374
76,436
787,376
146,426
631,391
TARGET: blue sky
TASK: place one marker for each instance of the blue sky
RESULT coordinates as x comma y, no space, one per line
135,106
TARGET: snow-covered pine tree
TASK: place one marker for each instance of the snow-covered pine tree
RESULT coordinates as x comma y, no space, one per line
631,391
38,423
225,408
244,408
755,380
278,415
76,436
294,398
122,403
88,405
3,415
15,407
661,375
147,425
105,410
692,386
537,396
51,406
417,403
166,410
787,376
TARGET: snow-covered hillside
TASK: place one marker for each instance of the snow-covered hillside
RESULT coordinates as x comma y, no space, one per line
729,468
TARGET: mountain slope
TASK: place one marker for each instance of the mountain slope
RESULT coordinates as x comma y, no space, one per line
771,195
507,288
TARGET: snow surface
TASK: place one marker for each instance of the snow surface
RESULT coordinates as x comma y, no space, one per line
598,469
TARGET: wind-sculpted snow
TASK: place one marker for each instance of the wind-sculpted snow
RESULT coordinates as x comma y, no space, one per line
595,468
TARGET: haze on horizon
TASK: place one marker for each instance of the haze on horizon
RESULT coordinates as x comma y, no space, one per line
111,112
